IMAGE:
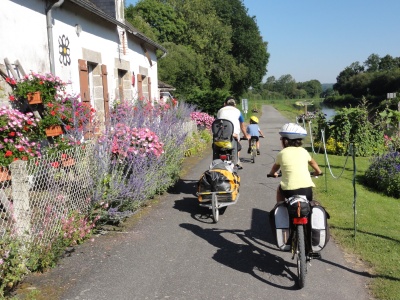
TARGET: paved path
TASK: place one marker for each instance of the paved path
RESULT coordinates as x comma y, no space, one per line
176,252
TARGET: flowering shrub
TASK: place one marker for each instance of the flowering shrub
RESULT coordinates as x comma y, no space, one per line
384,174
202,119
332,146
307,117
392,143
129,141
58,108
15,130
76,227
126,178
48,85
61,143
353,125
12,267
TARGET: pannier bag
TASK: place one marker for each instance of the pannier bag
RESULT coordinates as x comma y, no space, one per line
217,180
319,228
298,206
279,220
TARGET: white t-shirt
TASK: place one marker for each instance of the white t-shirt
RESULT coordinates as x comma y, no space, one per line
232,114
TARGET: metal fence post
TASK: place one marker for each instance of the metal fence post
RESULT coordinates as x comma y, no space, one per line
20,196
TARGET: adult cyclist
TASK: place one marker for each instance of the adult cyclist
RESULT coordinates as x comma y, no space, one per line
231,113
293,161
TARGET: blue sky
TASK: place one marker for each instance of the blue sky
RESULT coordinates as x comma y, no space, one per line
317,39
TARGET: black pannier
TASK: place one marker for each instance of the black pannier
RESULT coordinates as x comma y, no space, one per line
298,206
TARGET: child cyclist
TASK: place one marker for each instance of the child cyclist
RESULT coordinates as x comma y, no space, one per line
255,132
293,160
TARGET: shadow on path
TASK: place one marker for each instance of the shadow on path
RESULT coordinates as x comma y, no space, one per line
245,257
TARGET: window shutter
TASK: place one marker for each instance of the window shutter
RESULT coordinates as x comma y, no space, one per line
84,80
105,93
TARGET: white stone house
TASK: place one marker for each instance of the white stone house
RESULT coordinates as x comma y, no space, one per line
85,42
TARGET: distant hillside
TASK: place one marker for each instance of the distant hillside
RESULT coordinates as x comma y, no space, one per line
326,86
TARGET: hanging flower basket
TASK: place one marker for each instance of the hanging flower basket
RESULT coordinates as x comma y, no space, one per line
54,130
67,161
4,174
34,98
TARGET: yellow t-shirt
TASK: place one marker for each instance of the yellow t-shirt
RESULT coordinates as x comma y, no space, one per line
294,165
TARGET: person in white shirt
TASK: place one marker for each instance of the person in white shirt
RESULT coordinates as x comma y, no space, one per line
231,113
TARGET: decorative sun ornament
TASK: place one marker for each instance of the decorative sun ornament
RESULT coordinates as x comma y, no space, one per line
64,51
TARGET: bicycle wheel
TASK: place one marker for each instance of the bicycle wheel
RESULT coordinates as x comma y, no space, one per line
301,256
214,207
253,151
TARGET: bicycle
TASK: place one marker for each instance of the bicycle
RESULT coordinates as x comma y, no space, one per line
253,147
299,240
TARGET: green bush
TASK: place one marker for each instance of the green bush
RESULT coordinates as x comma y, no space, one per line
13,255
353,125
384,174
197,142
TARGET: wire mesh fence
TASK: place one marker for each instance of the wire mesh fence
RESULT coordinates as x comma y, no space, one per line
36,195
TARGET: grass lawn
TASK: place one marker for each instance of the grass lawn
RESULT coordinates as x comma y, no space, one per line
371,230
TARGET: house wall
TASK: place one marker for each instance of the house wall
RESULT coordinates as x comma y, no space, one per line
77,35
23,34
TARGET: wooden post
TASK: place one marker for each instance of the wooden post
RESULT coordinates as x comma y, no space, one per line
20,196
398,107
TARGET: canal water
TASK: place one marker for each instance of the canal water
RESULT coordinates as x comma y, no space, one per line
328,111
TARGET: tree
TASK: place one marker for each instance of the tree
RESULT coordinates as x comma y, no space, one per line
183,68
220,44
270,84
286,85
313,88
387,63
372,63
248,48
166,23
345,75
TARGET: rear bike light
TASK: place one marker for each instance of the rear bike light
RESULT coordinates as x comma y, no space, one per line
223,157
300,221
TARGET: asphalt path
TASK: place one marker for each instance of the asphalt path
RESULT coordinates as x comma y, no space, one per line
175,251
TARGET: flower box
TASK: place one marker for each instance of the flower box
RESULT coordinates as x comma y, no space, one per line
67,161
4,174
54,130
34,98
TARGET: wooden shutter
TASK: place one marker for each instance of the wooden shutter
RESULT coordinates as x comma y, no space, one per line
84,80
105,93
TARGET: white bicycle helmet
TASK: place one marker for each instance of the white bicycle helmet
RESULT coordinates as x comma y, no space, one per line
293,131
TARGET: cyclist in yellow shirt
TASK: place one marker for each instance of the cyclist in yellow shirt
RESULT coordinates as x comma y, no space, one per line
293,161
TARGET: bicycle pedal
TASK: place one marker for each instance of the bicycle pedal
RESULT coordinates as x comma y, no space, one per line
313,256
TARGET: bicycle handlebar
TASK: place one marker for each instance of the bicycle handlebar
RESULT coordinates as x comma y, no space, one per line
311,174
244,138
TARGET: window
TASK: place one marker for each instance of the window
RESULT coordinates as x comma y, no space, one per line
121,75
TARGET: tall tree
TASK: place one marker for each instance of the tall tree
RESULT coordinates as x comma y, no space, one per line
286,85
248,47
372,63
313,88
387,63
165,21
183,68
344,77
224,43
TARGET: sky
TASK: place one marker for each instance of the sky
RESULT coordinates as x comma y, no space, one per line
317,39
